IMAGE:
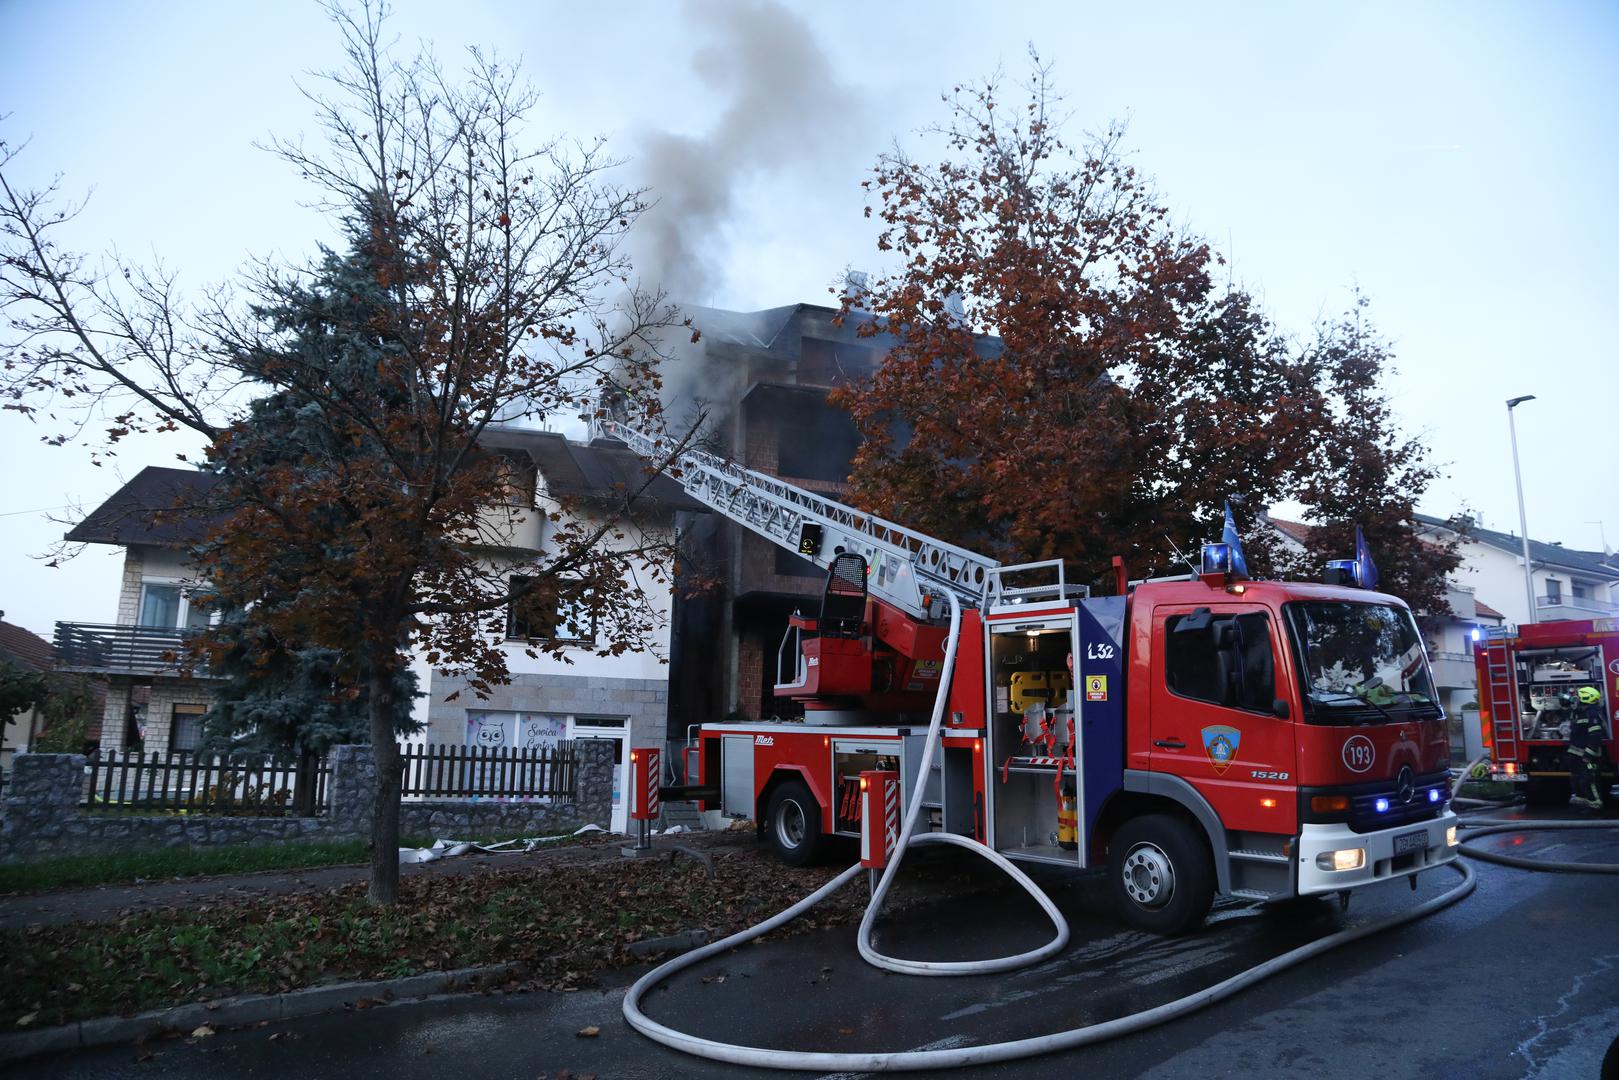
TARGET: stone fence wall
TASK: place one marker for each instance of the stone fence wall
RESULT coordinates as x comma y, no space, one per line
40,817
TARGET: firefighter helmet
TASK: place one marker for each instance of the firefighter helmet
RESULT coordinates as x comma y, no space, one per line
1590,695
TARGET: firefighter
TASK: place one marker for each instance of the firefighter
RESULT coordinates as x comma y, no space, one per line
1585,731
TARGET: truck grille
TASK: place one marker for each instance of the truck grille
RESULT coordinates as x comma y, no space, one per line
1365,817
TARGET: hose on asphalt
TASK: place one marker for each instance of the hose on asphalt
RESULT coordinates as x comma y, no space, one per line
955,1057
1495,826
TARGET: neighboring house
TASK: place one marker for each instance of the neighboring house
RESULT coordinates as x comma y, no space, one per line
1568,583
154,706
1448,639
151,703
28,652
623,698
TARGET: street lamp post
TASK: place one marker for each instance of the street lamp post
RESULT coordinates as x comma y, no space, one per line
1523,522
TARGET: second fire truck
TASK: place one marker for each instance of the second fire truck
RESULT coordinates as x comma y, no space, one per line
1188,737
1528,679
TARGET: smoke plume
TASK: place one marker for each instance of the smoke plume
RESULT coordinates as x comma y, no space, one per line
785,114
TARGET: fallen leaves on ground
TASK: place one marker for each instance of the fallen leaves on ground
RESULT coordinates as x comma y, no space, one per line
564,923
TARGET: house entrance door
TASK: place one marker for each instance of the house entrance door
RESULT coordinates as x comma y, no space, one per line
616,731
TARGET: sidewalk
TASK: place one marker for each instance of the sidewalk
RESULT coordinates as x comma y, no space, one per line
104,903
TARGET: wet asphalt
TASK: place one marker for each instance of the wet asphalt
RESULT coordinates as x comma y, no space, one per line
1520,979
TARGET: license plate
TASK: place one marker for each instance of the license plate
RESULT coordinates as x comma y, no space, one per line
1411,841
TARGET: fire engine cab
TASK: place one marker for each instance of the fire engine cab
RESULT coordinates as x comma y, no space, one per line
1191,736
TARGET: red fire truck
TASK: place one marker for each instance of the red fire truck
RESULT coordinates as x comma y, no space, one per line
1190,736
1528,678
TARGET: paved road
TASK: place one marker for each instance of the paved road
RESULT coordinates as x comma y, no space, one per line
1519,980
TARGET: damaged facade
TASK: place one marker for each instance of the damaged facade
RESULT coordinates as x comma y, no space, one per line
764,377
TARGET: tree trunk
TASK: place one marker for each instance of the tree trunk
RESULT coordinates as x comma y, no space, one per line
385,820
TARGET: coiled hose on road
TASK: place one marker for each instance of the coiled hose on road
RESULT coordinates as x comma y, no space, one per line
1493,826
763,1057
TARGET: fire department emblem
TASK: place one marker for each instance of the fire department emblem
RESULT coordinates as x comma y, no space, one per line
1221,743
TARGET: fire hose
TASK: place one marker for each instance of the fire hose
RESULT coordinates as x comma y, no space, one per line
1494,826
903,1060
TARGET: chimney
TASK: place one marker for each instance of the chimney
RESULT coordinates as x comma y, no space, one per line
856,286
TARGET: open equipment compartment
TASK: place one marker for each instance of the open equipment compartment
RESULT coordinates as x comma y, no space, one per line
1031,706
1545,676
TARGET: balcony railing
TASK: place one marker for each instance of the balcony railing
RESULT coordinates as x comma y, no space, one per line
125,650
1578,605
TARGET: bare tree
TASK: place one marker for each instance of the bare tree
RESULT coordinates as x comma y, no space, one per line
344,401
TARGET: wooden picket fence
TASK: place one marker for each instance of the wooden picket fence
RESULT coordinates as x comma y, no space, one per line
445,771
182,781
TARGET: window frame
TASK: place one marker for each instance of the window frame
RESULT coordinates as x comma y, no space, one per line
174,724
190,602
589,633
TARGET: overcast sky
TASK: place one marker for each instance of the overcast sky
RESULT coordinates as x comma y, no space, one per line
1456,162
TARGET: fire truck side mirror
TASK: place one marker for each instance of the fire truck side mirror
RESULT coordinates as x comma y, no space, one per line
1280,709
1197,622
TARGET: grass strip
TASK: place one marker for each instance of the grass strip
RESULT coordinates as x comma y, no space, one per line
82,871
78,871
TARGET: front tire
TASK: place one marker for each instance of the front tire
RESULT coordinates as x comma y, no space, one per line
1161,874
793,824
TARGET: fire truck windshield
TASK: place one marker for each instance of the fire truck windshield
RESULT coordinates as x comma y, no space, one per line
1360,663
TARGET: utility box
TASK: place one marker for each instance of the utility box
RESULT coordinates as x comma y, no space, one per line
879,817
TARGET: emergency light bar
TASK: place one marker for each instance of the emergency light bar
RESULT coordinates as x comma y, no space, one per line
1343,572
1216,559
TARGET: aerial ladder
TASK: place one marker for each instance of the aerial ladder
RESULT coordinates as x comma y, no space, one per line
904,568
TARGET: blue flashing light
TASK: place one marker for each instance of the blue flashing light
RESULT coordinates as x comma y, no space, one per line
1382,806
1348,570
1474,634
1433,794
1216,558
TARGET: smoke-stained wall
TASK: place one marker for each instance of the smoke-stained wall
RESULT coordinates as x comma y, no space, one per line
764,376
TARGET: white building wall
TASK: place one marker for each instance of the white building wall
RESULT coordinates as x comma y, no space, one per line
1496,578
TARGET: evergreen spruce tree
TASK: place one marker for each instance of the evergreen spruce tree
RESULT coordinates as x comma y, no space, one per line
282,693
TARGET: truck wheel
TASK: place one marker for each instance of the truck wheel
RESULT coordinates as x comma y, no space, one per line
1546,792
793,824
1161,873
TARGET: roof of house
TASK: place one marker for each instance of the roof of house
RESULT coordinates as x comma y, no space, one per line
24,647
159,506
1596,563
153,507
601,468
1294,530
1486,610
751,329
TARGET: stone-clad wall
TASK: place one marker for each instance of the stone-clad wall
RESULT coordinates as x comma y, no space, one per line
42,818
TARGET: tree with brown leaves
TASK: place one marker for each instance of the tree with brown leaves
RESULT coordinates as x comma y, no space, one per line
1069,378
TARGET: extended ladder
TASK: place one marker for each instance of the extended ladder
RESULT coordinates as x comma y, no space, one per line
1500,691
904,567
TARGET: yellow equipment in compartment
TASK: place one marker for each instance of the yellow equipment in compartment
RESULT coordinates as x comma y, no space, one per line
1029,687
1067,820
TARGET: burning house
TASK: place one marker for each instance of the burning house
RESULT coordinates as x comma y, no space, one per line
764,377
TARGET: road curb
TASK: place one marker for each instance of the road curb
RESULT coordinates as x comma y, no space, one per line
251,1009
